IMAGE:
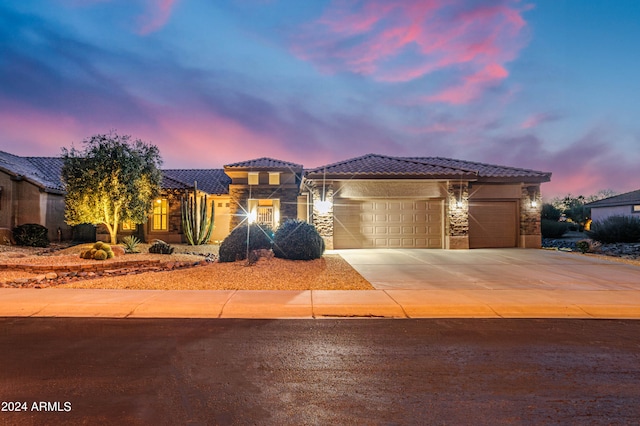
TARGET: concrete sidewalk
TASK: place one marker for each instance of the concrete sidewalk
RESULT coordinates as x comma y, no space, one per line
398,303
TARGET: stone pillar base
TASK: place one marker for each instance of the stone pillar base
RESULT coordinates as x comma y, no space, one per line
530,241
328,243
457,243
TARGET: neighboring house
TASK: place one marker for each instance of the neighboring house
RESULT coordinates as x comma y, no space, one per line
31,191
372,201
620,205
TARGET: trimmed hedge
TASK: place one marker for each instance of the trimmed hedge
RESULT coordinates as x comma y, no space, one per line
234,247
31,234
616,229
297,240
553,229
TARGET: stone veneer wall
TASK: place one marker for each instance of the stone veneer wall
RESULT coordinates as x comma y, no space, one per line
288,197
530,216
457,217
323,222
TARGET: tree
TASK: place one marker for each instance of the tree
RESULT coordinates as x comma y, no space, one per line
112,180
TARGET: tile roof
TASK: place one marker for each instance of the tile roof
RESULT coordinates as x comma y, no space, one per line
44,172
264,163
627,198
374,165
212,181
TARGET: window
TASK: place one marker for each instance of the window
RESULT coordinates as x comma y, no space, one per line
274,178
265,215
254,178
636,208
128,225
160,215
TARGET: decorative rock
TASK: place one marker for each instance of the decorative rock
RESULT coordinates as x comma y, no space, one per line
51,276
41,278
118,251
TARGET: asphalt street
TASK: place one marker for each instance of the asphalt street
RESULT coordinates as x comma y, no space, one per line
281,372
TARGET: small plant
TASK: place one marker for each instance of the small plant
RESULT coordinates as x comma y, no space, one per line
31,235
131,243
583,246
160,247
553,229
298,240
616,229
235,247
99,251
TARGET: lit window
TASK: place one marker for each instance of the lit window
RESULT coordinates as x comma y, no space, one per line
160,215
636,208
253,178
128,225
274,178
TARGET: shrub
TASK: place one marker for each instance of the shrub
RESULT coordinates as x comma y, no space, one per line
298,240
160,247
234,247
550,212
31,234
553,229
583,246
616,229
131,244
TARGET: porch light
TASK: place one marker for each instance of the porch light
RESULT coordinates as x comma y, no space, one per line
534,203
253,216
459,204
323,206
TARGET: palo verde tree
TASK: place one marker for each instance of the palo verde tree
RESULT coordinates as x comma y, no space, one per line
112,180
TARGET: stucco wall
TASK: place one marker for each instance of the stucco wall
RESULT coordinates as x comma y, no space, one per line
6,200
601,213
390,189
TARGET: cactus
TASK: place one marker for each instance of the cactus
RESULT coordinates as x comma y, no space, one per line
196,224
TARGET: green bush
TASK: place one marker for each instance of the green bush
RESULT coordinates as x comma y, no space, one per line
131,244
583,246
234,247
297,240
31,234
553,229
616,229
550,212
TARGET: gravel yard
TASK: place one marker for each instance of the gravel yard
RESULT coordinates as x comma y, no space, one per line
331,272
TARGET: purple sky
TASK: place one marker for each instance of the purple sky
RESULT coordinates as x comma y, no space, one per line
551,85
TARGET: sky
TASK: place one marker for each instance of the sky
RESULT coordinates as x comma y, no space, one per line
549,85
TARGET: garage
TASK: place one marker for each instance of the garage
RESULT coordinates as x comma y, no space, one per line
493,224
388,223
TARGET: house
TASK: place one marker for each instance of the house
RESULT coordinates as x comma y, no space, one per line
372,201
627,204
31,191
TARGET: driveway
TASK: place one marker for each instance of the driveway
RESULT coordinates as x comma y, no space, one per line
493,269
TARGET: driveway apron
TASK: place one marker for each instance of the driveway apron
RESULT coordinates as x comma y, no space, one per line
493,269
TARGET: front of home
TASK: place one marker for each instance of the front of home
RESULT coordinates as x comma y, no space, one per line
372,201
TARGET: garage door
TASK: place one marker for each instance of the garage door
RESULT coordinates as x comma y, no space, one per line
493,224
387,224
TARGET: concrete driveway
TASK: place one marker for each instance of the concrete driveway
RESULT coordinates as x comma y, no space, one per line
492,269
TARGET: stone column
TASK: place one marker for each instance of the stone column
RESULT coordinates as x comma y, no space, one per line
457,216
530,212
322,219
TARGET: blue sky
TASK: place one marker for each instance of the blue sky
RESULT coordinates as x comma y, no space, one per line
550,85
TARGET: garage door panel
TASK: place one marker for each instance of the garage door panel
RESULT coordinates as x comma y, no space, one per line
493,224
388,223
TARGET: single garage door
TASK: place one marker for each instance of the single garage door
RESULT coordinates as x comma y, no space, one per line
387,223
493,224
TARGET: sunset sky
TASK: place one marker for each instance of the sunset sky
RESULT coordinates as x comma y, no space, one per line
551,85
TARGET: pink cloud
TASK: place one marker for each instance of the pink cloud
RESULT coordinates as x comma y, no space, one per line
404,41
536,120
157,14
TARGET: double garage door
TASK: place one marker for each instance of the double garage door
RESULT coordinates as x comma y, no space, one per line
387,223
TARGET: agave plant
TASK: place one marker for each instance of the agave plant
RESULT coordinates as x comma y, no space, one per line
131,244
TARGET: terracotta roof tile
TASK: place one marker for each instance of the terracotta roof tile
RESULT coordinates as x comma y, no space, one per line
264,163
374,165
42,171
212,181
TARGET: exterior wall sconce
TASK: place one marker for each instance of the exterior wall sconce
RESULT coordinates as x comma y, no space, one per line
533,196
323,206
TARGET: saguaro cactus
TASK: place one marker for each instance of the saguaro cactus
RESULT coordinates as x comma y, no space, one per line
196,224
